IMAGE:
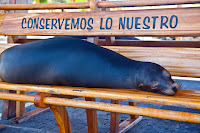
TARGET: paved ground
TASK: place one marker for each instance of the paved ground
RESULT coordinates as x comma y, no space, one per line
45,123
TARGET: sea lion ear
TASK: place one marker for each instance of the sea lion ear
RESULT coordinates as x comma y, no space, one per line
154,85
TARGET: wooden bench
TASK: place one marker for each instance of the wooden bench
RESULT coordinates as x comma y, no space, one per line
181,58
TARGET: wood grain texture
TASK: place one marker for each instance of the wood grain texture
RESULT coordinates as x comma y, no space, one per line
128,124
92,122
133,117
159,113
62,118
20,106
93,7
125,109
8,107
181,44
184,98
38,101
29,115
114,119
179,61
184,22
44,6
111,41
101,4
133,3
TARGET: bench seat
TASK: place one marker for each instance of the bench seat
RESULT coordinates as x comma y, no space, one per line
184,98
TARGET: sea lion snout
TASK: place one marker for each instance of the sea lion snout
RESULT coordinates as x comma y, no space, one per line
157,79
172,90
176,87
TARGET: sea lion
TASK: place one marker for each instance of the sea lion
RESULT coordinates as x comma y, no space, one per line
74,62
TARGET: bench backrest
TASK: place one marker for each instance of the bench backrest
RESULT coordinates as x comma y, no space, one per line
148,22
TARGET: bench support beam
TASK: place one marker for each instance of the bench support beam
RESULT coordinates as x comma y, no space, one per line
91,118
29,115
115,127
8,107
114,119
20,106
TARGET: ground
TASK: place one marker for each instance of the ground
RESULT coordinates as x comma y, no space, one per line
46,123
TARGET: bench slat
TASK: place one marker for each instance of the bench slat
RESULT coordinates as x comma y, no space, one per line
179,61
101,4
165,43
182,99
133,110
157,22
45,6
139,43
113,4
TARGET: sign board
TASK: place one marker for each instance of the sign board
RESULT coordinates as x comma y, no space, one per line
157,22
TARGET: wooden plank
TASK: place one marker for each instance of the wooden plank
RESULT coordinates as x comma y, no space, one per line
133,104
183,44
133,3
20,106
101,4
128,124
126,109
45,6
91,118
179,61
111,41
114,119
8,107
155,22
184,98
108,40
29,115
158,113
26,40
93,7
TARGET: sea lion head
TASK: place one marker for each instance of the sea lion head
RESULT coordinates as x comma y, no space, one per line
155,78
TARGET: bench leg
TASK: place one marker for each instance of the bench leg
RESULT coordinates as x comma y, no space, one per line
20,106
133,104
115,127
114,119
62,118
91,118
8,107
